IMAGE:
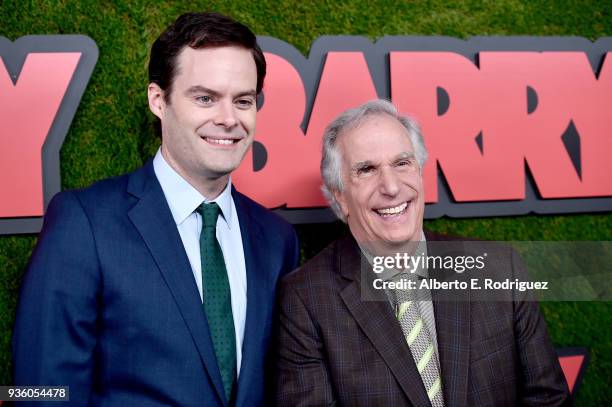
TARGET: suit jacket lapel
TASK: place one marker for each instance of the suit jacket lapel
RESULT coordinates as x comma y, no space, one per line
377,320
153,219
452,315
258,287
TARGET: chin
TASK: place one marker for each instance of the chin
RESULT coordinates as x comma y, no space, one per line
397,241
399,238
222,168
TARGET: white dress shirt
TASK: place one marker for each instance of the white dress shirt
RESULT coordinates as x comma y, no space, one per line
183,200
424,303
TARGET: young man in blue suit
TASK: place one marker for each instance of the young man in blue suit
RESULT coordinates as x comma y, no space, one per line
157,287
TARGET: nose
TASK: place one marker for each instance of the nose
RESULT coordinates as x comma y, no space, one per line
226,115
389,182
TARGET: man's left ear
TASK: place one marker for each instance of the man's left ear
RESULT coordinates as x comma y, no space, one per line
157,103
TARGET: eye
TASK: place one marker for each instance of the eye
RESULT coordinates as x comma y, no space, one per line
407,163
365,170
244,103
205,99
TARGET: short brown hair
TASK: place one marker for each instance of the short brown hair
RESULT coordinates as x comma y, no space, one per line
200,30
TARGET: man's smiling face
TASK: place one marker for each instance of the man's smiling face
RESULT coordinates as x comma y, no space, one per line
208,120
382,197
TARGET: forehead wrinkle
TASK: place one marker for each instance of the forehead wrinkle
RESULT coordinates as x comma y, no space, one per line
342,143
361,121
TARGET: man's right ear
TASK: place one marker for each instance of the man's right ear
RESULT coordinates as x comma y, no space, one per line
341,202
157,104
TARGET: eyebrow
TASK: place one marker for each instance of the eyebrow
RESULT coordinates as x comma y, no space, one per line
362,164
405,155
201,89
197,89
367,163
251,93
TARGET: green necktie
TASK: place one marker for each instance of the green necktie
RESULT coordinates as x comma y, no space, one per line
419,341
217,298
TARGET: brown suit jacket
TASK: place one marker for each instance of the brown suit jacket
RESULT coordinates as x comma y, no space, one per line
334,348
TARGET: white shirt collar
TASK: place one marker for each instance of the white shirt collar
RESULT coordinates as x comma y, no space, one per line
389,274
182,197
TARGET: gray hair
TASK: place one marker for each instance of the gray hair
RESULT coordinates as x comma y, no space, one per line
331,160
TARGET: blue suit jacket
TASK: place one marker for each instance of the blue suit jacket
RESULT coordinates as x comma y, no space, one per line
109,305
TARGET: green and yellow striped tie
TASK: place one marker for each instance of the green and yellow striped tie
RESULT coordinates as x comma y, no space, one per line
419,340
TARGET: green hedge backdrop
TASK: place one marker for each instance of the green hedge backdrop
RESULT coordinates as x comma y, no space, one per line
112,130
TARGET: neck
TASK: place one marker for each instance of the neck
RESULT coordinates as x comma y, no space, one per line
209,186
380,248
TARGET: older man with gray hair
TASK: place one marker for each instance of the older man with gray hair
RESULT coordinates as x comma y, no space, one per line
341,342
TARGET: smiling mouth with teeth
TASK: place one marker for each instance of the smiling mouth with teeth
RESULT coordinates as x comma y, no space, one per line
396,210
223,142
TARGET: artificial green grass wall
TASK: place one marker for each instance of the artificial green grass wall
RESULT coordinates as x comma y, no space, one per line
112,130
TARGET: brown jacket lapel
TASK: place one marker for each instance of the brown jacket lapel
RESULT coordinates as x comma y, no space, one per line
377,320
